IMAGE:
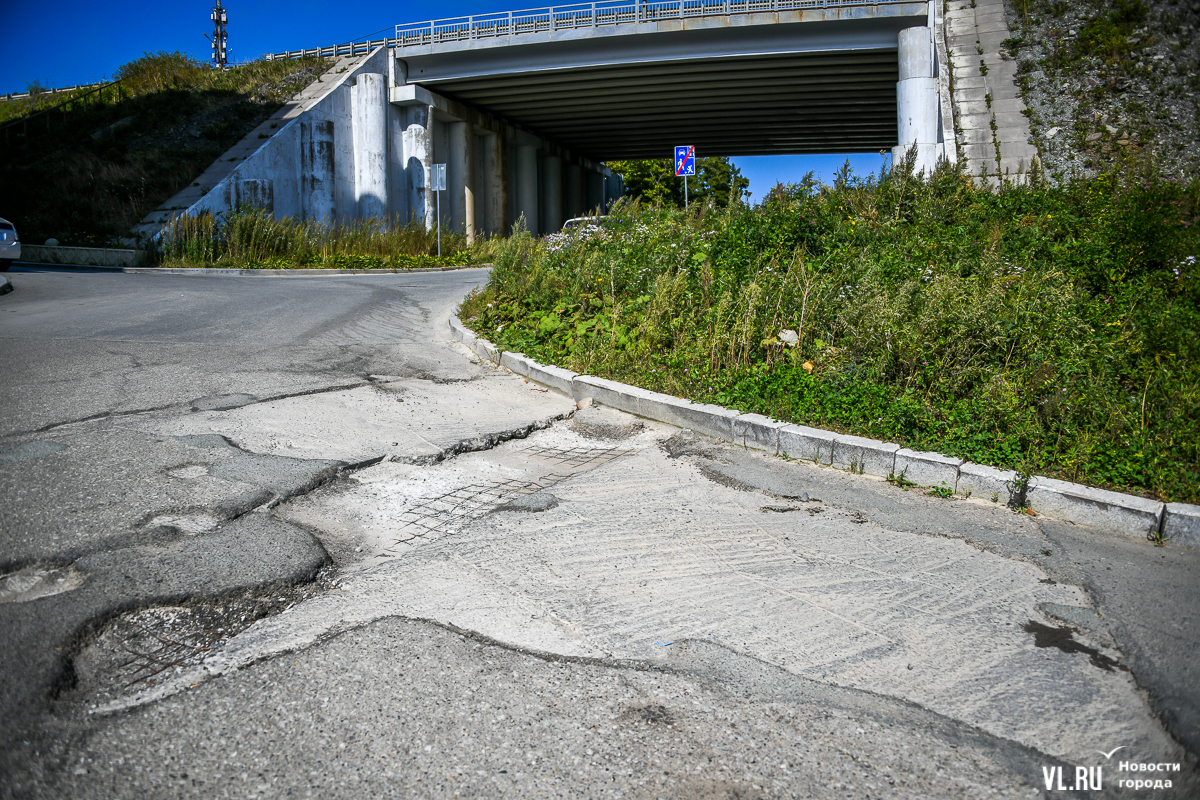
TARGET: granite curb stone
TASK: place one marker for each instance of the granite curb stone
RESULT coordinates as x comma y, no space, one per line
702,417
807,444
757,431
982,482
515,362
485,349
610,393
554,377
1121,513
461,333
1072,502
868,456
1182,524
927,469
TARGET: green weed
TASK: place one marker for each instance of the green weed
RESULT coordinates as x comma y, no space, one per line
251,238
1052,329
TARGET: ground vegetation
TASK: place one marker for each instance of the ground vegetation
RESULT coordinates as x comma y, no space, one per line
1053,329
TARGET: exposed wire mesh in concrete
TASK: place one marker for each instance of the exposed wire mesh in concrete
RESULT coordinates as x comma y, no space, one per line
451,511
578,456
164,644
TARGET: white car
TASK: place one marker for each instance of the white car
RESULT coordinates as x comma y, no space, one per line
10,245
575,222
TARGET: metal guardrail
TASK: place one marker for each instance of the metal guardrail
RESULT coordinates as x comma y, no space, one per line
578,15
40,92
97,89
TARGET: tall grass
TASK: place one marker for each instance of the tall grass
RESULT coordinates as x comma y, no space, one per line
251,238
1050,329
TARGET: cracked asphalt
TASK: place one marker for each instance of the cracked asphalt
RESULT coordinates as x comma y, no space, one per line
275,538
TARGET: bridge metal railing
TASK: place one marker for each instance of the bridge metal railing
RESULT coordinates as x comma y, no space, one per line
567,17
591,15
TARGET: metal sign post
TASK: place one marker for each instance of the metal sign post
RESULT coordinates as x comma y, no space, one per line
437,177
685,164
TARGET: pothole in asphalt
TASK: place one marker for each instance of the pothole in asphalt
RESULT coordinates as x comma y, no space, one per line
1063,638
147,646
594,422
189,473
32,583
191,524
653,713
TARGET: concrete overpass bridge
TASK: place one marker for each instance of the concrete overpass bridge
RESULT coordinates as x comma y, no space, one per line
525,107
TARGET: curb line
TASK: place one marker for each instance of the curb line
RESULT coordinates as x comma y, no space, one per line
241,272
1130,515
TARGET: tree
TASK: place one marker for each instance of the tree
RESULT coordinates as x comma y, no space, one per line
654,181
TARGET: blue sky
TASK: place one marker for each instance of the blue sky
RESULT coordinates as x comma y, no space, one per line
70,42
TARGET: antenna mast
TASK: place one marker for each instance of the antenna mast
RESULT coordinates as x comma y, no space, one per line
220,39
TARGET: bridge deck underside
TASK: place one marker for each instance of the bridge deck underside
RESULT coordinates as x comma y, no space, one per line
746,105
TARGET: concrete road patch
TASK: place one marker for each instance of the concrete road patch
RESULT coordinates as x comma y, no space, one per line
643,550
411,420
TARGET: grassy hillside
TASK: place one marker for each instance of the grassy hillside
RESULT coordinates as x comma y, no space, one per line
96,173
1052,329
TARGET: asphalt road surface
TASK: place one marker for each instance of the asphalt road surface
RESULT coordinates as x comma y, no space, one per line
283,537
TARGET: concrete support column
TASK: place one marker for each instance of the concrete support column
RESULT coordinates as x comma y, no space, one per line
552,193
368,113
917,99
494,184
455,160
460,177
613,189
418,156
594,196
527,188
316,171
573,191
469,184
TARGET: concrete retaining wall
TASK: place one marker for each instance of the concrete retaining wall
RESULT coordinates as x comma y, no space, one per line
82,256
1130,515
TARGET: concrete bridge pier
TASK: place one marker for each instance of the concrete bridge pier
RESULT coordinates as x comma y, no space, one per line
460,179
369,109
552,194
527,187
573,191
917,99
594,192
494,200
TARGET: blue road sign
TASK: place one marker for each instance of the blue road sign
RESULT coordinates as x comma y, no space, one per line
685,161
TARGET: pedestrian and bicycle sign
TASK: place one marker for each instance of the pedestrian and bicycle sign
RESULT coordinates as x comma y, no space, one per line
685,161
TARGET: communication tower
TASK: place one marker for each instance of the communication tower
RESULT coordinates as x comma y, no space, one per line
220,39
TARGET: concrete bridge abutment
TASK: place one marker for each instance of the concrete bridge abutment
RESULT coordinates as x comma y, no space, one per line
522,119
